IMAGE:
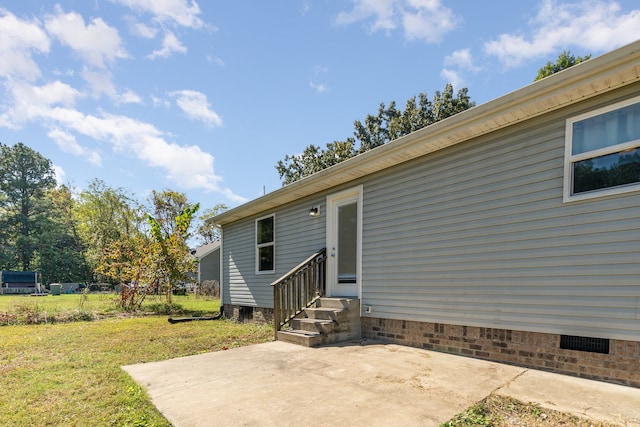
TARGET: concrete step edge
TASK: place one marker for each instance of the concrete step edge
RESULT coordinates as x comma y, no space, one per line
319,321
300,332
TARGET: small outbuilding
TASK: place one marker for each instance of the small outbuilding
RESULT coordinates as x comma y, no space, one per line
208,257
19,282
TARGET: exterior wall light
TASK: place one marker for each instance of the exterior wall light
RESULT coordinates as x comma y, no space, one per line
315,211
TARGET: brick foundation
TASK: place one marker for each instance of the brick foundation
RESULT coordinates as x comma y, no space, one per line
529,349
239,313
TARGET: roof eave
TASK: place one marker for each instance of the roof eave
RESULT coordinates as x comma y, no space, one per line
593,77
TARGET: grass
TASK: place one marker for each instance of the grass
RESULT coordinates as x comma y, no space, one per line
61,371
500,411
69,373
19,309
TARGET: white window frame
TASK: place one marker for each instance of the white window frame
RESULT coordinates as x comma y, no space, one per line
570,159
262,245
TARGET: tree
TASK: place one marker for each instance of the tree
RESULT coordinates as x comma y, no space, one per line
105,215
155,260
207,230
376,130
60,255
564,61
129,262
166,206
25,178
172,260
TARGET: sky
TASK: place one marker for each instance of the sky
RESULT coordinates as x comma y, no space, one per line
205,97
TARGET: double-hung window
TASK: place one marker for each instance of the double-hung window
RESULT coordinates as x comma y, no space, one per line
265,244
602,152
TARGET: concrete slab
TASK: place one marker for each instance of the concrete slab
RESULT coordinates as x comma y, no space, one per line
357,384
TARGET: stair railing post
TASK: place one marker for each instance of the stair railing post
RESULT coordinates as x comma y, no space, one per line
298,289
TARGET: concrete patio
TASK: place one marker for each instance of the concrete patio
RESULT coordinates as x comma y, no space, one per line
361,383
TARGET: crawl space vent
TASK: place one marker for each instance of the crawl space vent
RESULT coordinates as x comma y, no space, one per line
245,314
592,345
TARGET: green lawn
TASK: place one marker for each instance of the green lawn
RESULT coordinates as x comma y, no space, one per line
69,373
19,309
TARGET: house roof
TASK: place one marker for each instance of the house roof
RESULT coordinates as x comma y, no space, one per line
205,250
583,81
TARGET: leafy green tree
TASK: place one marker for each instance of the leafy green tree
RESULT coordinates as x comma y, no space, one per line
388,124
158,259
60,255
129,262
172,258
166,206
105,215
207,231
564,61
25,178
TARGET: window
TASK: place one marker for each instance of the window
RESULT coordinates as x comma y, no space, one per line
602,153
265,244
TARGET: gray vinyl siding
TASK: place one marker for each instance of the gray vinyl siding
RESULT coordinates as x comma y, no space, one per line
209,266
478,235
297,236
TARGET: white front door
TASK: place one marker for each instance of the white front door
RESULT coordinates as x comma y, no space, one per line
344,247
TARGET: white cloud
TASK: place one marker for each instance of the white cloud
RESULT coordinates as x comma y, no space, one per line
59,174
141,30
594,25
30,102
67,143
51,106
306,7
186,165
160,102
462,59
428,20
182,12
97,43
216,60
18,40
457,64
99,82
56,93
382,12
170,44
129,97
318,87
453,77
196,106
318,72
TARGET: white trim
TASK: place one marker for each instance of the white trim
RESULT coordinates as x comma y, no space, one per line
222,264
569,158
333,200
262,245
